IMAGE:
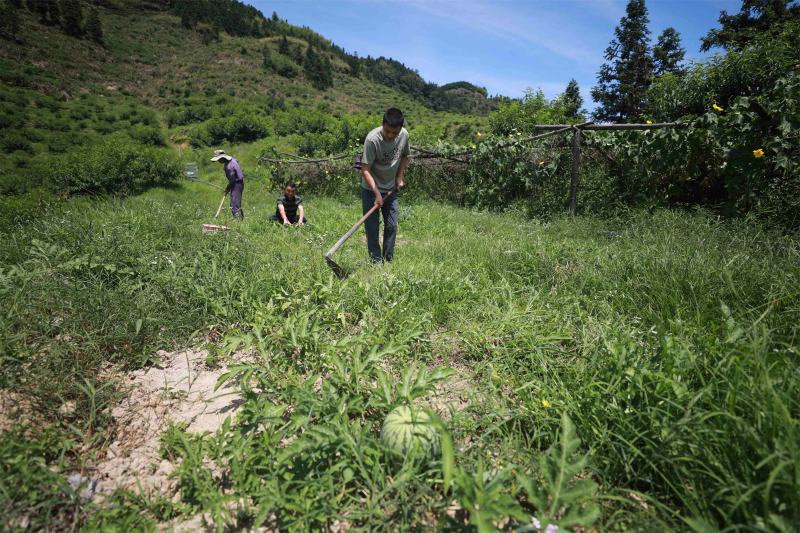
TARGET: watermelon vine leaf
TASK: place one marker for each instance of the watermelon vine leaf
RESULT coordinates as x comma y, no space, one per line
486,498
556,490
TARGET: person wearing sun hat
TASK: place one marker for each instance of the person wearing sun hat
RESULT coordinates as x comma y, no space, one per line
235,181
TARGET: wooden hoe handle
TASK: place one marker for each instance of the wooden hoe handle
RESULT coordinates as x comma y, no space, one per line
354,228
220,206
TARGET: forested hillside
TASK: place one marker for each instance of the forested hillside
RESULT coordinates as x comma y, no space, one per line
75,76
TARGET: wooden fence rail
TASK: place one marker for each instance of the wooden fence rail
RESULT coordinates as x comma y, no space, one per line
551,129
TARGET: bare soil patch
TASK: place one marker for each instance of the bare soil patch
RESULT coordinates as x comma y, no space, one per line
179,390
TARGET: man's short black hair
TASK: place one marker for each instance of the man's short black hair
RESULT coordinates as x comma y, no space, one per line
393,118
291,184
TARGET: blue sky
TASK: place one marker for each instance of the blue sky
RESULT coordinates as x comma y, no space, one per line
503,45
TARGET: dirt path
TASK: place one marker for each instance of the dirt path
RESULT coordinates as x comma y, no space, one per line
179,390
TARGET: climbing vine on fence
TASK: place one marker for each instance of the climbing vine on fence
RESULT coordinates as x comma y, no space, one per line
745,156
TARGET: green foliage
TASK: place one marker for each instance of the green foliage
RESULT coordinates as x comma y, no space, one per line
465,85
573,101
533,108
486,498
622,83
94,27
668,53
756,20
72,17
115,166
718,157
682,401
722,78
147,135
556,492
33,489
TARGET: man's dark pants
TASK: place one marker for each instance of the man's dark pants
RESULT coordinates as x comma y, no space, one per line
390,210
236,200
293,219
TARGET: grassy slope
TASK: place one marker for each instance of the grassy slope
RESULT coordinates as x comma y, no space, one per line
672,347
149,54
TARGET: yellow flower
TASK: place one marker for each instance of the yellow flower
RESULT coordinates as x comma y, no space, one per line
326,172
542,163
545,403
518,133
718,108
510,135
479,134
474,146
649,121
758,153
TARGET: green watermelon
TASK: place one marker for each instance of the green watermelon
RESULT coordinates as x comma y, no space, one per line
403,433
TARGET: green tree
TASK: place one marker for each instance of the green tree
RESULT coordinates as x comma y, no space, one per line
296,54
668,53
324,73
275,17
623,81
573,101
36,7
215,27
72,17
756,18
355,65
267,63
522,115
186,19
94,27
53,12
13,22
310,63
283,46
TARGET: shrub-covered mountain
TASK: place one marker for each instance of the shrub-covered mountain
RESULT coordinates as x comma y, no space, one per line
241,20
75,76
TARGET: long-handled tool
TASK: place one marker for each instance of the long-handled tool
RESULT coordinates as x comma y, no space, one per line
337,269
211,228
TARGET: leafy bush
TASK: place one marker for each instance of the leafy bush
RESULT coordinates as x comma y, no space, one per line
179,116
237,128
116,166
11,116
33,135
744,157
199,137
147,135
282,66
522,115
12,140
722,78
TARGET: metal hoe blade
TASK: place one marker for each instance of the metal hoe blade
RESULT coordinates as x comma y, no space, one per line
337,269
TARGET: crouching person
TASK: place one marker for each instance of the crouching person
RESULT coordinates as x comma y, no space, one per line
290,207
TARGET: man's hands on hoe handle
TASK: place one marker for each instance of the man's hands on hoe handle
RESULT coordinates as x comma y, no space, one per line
371,182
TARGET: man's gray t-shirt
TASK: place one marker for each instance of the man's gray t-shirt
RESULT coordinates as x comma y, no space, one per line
384,156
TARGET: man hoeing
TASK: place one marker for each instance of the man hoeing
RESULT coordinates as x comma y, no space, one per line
235,181
384,160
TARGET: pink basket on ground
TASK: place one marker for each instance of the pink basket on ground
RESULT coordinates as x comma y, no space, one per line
213,228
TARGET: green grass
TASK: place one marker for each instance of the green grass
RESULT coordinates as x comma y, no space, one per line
671,345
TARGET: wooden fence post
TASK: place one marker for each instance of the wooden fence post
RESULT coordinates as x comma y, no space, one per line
576,165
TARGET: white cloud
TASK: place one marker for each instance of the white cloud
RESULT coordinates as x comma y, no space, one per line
546,31
612,9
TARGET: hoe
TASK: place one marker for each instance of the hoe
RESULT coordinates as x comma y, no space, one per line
337,269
